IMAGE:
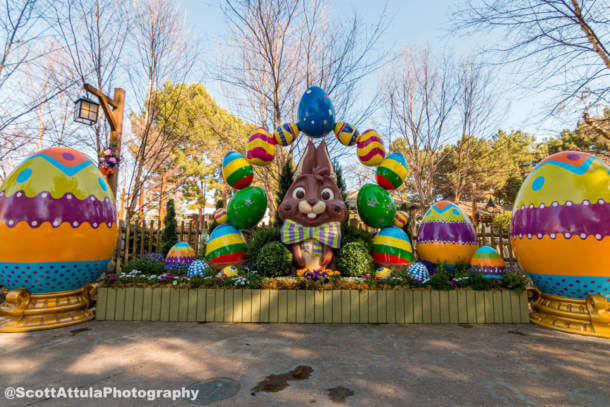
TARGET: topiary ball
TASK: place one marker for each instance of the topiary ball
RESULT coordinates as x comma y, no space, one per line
274,260
354,260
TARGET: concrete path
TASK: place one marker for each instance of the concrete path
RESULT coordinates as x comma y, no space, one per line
382,365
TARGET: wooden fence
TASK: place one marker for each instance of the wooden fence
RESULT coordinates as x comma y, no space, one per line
137,239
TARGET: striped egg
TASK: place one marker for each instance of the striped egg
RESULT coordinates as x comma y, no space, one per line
383,273
560,225
392,171
370,148
400,219
226,247
419,272
220,216
261,147
181,254
392,248
227,272
346,133
286,133
488,262
236,170
446,235
58,228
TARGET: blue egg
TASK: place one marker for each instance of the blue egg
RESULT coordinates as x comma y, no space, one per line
316,116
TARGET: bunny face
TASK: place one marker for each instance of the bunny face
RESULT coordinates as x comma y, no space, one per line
314,198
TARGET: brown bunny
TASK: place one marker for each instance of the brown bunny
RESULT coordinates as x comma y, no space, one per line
312,210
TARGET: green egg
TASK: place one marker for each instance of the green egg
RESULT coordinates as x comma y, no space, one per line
375,206
247,207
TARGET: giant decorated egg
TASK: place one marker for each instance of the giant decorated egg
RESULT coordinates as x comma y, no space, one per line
247,207
400,219
488,262
346,133
236,170
181,254
392,171
286,133
446,235
226,247
560,226
375,206
220,216
316,114
57,223
419,272
383,273
370,148
227,272
392,248
261,147
198,268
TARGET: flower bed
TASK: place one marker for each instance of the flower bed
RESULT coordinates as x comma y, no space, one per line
397,305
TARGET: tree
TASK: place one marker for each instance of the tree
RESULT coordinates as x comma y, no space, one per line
169,236
164,50
583,138
419,98
340,180
560,45
286,179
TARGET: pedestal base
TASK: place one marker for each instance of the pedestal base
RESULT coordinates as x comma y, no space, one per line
22,311
590,316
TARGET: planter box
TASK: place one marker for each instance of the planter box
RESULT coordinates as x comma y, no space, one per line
308,306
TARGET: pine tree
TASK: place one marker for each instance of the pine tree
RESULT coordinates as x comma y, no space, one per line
286,179
219,203
340,180
169,236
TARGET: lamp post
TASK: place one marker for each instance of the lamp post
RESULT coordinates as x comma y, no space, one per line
86,112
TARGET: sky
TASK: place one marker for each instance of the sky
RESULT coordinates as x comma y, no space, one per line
410,22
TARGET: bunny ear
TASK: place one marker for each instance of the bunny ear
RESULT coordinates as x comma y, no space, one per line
308,160
323,160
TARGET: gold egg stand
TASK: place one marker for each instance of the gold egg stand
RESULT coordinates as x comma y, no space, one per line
589,316
23,311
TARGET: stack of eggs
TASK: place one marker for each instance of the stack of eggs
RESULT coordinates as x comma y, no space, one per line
181,254
560,227
446,235
57,223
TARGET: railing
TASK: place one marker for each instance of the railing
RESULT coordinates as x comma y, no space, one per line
137,239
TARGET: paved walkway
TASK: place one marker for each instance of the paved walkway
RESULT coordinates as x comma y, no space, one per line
382,365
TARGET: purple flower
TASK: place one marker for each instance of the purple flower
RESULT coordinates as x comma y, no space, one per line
113,278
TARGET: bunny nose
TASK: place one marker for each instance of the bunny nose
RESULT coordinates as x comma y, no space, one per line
312,202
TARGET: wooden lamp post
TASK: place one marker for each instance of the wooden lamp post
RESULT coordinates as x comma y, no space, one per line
114,116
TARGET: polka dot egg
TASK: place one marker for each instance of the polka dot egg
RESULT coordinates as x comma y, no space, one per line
197,268
383,273
236,170
261,147
370,148
227,272
53,207
560,226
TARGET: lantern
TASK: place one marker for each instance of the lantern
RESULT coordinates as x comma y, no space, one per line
86,111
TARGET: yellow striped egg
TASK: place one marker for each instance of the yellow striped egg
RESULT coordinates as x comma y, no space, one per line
400,219
370,148
286,133
261,147
346,133
220,216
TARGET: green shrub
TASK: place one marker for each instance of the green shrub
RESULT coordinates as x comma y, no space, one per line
440,281
353,234
274,260
354,260
478,282
515,280
146,265
261,237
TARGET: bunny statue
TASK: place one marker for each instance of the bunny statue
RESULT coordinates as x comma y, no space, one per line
312,211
